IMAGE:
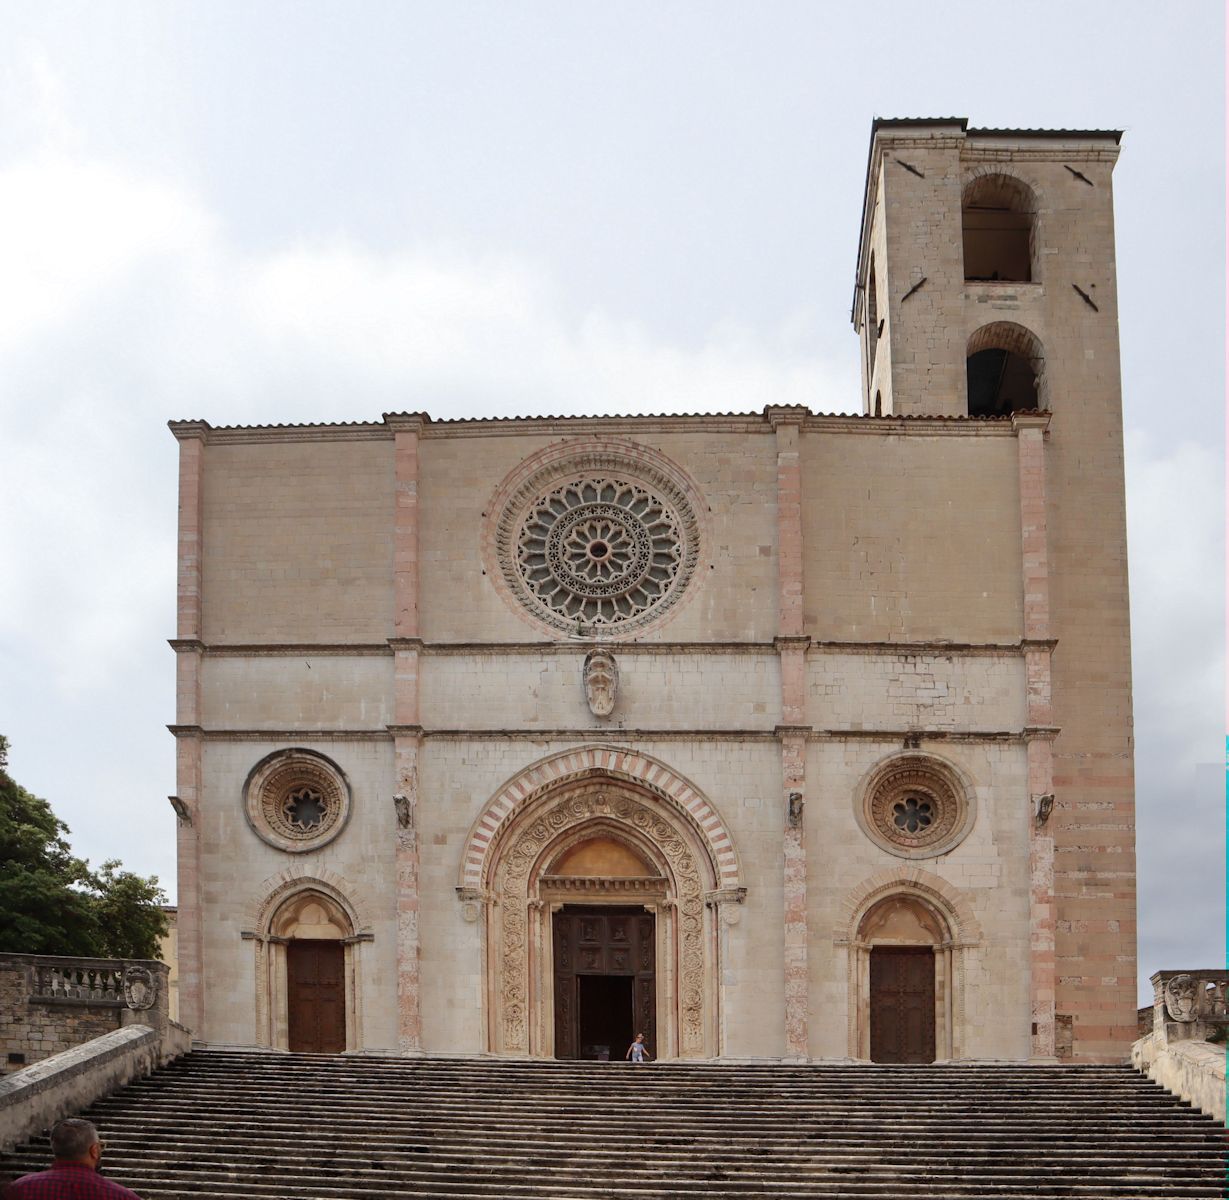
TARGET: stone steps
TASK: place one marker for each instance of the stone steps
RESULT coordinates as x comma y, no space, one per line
235,1124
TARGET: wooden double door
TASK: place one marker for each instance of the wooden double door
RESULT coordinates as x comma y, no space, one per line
902,1004
316,996
605,980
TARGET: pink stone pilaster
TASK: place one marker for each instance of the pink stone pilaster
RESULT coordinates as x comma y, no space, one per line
191,463
1037,648
793,765
791,646
409,1011
188,747
406,741
189,649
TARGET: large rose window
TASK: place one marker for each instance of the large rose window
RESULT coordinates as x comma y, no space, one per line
610,547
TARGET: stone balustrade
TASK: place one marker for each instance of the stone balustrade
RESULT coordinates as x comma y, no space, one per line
1189,1009
50,1003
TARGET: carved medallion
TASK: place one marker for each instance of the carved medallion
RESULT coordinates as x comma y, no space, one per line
1182,998
140,988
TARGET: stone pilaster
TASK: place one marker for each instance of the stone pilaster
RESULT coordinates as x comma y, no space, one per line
189,649
791,646
406,731
1037,647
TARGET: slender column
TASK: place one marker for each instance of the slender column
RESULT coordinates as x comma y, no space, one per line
1037,647
791,646
407,739
189,647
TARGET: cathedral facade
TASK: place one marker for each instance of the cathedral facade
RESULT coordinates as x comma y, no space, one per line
773,734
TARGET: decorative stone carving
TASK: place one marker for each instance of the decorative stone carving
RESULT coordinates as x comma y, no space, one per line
598,801
297,800
915,806
405,811
601,679
140,988
603,540
1045,806
796,806
1182,998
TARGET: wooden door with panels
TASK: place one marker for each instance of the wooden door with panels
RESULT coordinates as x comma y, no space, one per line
605,986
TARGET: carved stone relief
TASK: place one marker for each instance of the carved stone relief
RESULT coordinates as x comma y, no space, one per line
1182,998
601,679
140,988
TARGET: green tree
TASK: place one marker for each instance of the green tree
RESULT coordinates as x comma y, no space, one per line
50,900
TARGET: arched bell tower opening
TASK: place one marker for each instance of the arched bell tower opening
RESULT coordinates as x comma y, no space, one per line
601,894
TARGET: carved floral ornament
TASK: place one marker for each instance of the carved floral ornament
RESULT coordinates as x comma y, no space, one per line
600,539
297,800
915,806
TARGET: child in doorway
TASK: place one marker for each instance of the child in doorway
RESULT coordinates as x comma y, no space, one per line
638,1052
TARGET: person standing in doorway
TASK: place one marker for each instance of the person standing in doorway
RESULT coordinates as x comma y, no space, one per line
638,1052
74,1173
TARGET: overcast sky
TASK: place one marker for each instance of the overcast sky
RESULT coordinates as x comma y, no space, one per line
321,211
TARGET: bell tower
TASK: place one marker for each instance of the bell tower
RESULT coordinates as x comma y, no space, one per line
987,291
985,280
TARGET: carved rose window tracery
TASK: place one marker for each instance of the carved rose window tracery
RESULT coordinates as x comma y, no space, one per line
297,800
604,541
915,807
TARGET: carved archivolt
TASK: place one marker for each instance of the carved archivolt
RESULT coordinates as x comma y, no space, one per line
533,845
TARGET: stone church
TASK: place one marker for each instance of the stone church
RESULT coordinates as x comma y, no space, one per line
776,734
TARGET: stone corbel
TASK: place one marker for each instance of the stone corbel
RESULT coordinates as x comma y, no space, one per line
1043,806
358,937
797,806
182,812
472,902
727,902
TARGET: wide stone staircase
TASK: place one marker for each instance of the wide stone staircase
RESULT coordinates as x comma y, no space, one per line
231,1124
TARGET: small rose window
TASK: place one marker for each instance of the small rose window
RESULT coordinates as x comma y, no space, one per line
915,806
297,800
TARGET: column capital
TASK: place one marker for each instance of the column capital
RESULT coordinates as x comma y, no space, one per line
407,422
785,414
1030,420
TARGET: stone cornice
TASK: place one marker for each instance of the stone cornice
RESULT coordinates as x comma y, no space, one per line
581,646
620,737
725,423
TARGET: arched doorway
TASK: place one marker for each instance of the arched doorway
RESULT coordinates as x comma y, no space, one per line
907,940
306,974
617,833
903,934
604,949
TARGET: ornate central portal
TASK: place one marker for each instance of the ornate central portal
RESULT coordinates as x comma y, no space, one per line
602,897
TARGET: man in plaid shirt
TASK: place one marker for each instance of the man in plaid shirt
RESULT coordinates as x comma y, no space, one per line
74,1174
